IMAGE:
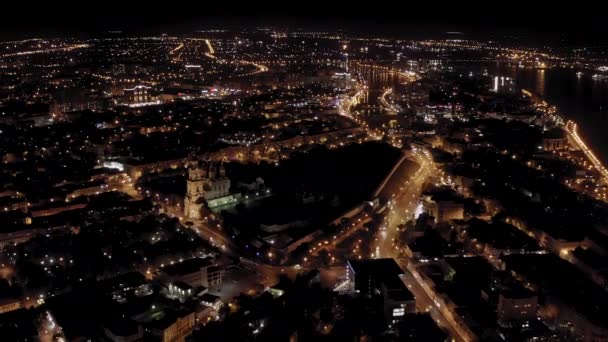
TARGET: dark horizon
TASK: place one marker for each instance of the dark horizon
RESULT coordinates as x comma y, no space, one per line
536,22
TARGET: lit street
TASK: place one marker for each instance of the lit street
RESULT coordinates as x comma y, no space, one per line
402,208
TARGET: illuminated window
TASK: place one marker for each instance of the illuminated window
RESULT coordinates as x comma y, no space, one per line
398,312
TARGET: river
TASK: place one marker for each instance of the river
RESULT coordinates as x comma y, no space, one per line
582,99
377,81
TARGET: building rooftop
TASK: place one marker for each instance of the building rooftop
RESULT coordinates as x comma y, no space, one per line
517,292
385,272
385,267
188,266
554,133
181,285
12,221
19,325
402,295
420,327
121,327
209,298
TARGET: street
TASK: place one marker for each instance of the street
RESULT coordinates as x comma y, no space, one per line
402,208
403,205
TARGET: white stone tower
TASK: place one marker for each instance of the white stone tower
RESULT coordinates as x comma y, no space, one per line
195,190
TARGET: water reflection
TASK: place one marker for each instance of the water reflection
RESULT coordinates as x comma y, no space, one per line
377,80
580,98
540,82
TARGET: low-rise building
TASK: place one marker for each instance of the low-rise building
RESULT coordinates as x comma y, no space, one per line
516,306
9,304
443,210
123,331
382,277
194,272
555,140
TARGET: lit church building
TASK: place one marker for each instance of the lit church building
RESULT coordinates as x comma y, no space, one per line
207,183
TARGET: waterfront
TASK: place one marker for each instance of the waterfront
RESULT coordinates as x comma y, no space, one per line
377,81
581,99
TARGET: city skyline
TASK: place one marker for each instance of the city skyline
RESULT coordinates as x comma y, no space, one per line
175,176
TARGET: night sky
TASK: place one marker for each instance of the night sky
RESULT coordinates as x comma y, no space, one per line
580,23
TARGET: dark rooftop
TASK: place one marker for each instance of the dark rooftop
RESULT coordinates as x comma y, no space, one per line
121,327
385,267
188,266
555,133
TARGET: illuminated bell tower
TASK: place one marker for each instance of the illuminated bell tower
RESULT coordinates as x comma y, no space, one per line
346,62
195,190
